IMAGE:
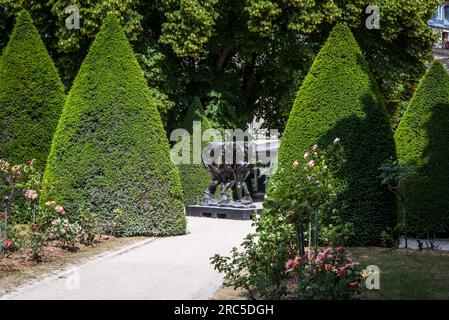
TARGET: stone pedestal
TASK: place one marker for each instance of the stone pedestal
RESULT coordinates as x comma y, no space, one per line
230,211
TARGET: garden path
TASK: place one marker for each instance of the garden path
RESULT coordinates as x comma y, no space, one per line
158,268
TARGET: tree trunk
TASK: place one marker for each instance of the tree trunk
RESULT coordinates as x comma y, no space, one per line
222,57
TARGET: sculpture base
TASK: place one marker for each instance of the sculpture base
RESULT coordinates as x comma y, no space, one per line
228,211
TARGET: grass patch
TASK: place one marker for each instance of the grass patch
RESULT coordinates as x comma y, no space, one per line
404,275
407,274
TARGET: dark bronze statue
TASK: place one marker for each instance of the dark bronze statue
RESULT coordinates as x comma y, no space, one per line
230,175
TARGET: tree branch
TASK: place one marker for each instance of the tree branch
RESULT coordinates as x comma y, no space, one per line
222,57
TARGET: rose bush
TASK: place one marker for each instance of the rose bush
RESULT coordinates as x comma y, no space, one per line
64,231
274,256
31,223
329,275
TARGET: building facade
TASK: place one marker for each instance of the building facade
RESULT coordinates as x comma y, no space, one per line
440,23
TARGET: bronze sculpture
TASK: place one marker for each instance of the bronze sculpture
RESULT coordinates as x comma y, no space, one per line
230,174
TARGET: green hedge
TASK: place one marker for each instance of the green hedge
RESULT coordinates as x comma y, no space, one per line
31,96
194,177
339,98
110,151
422,138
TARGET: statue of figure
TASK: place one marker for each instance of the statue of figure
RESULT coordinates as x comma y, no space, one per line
242,172
230,176
209,193
228,181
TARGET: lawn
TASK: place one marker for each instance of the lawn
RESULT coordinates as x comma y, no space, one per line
404,274
407,274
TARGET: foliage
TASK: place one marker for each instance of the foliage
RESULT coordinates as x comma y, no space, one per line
31,96
88,227
259,268
336,232
421,139
392,172
20,185
239,58
29,239
64,231
110,150
330,275
300,191
306,185
339,99
194,177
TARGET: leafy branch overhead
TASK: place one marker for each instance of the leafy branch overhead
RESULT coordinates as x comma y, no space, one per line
240,59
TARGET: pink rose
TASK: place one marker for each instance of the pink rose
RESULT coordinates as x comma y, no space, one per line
349,265
328,251
340,250
59,209
289,264
311,164
297,261
327,267
354,284
342,272
319,260
8,243
31,194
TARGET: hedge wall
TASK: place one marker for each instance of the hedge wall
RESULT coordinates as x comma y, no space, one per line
422,138
339,98
31,96
110,151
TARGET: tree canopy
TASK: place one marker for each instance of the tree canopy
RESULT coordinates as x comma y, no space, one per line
239,58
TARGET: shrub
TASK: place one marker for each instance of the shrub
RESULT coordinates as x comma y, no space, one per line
339,98
30,239
31,96
330,275
21,184
194,177
260,267
421,138
110,152
279,236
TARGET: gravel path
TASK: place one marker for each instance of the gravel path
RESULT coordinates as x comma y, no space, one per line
158,268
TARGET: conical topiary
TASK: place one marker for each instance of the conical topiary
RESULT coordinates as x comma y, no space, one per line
194,177
110,151
339,98
31,96
422,138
